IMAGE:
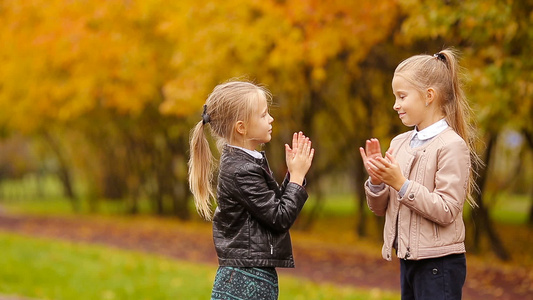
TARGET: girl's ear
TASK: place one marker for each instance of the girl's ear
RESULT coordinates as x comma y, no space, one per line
240,127
430,96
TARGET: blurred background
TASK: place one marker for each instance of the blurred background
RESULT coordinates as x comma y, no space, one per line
97,99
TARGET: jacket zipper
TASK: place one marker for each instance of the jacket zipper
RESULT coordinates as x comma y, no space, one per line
270,242
408,254
407,172
435,226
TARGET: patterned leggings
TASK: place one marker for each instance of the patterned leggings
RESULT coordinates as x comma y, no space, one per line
245,283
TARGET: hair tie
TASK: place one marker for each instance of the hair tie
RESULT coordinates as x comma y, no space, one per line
205,116
440,56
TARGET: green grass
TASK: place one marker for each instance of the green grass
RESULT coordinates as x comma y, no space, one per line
61,206
49,269
510,209
22,195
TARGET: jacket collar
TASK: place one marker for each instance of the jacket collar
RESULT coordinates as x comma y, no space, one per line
254,153
228,149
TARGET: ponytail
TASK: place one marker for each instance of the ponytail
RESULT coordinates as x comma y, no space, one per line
459,115
201,171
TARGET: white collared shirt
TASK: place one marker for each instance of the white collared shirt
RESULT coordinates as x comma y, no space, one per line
253,153
425,135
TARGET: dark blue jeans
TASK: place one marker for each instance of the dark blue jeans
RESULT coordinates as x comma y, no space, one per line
439,278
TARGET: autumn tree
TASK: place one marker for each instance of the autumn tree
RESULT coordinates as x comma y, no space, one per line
91,75
309,53
114,86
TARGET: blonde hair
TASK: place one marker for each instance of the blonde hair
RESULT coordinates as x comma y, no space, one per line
228,103
442,73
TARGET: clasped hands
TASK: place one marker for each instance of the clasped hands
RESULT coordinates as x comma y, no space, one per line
299,157
381,169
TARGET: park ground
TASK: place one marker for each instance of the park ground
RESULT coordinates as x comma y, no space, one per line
322,255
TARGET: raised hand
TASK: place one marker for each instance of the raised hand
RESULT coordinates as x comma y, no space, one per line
372,151
299,157
290,152
387,170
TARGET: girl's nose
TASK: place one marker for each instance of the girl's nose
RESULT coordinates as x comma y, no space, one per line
396,106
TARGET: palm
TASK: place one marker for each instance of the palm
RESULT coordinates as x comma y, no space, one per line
372,151
290,152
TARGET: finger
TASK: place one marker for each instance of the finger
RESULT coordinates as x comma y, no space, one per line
363,154
371,166
368,146
373,172
311,154
301,144
300,140
385,162
288,148
307,147
373,146
295,140
390,157
377,145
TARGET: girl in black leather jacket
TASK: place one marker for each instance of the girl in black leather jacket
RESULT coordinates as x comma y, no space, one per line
253,214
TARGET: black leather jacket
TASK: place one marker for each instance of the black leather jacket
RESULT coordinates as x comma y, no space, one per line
251,223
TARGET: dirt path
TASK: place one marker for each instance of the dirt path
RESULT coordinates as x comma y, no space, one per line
320,263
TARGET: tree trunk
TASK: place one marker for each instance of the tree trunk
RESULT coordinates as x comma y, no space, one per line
483,223
159,194
313,104
132,203
307,222
529,139
530,217
178,188
361,199
63,173
180,200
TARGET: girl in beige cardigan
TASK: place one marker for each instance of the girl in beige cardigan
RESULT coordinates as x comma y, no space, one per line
421,184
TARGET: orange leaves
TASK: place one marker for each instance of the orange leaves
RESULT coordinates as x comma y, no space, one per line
72,57
180,95
331,28
118,55
260,38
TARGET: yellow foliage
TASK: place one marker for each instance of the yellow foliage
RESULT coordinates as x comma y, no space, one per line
72,58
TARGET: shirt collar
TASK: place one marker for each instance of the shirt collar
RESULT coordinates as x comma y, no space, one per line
432,130
253,153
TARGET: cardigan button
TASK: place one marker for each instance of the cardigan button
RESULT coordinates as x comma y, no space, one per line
435,271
